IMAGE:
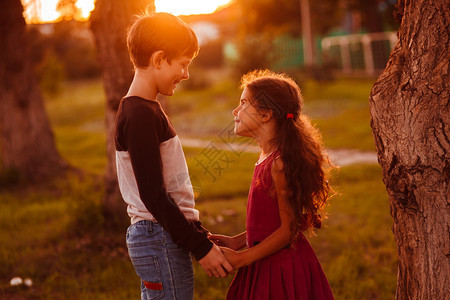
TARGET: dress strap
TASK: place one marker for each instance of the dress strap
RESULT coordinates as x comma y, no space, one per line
260,161
276,155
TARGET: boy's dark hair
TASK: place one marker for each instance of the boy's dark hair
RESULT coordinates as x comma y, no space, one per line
160,31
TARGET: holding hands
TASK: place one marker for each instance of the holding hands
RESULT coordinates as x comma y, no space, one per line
215,264
229,247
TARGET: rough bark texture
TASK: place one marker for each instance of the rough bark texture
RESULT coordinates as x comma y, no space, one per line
109,23
26,139
409,105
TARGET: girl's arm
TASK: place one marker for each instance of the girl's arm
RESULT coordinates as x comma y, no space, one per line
280,237
236,242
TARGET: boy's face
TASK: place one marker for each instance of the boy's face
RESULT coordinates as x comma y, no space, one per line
171,74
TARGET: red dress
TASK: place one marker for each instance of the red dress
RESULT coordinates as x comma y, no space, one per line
291,273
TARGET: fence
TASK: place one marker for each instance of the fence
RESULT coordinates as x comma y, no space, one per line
367,52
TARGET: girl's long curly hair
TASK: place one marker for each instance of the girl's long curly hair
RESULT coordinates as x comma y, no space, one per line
306,166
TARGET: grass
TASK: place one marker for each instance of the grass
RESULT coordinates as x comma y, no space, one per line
340,110
356,248
55,233
78,118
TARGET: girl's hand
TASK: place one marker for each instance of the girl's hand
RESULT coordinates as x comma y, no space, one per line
224,241
236,259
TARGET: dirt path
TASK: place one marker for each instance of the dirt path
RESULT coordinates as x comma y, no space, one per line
340,157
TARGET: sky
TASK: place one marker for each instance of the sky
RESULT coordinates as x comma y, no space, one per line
48,13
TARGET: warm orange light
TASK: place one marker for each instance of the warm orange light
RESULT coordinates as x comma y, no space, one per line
86,7
188,7
42,11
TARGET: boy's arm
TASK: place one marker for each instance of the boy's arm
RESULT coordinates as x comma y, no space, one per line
143,147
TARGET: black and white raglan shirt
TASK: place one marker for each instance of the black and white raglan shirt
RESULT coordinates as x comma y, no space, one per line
153,175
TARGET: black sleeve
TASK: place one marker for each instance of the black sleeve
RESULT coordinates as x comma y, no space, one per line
142,141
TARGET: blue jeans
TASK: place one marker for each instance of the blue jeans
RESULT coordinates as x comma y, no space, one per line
164,268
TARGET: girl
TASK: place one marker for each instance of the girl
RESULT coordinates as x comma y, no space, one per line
288,189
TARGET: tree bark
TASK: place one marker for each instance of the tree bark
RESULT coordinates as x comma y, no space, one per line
109,23
409,105
26,139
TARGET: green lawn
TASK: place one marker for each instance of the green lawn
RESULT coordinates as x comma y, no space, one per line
55,233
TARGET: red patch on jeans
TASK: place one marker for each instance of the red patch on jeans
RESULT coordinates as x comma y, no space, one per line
153,285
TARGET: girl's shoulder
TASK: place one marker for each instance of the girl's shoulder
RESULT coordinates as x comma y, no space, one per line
277,164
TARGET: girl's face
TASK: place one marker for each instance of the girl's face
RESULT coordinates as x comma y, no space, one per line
247,120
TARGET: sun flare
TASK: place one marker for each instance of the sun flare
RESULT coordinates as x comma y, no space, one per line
42,11
184,7
86,7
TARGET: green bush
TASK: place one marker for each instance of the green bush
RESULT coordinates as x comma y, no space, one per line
51,74
255,52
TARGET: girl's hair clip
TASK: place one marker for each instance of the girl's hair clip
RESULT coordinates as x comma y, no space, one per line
290,116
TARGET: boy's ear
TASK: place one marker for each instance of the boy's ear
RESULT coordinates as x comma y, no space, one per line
157,59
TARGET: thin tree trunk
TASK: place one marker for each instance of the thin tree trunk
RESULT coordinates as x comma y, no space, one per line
409,105
26,139
109,23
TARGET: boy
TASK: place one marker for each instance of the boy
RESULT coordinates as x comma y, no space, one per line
151,167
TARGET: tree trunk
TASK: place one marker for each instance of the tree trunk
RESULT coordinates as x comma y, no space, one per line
109,23
409,105
26,139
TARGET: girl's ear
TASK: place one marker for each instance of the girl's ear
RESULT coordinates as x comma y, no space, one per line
266,115
157,59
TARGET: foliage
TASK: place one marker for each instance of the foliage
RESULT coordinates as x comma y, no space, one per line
376,15
50,73
198,78
69,44
255,52
284,15
264,21
211,54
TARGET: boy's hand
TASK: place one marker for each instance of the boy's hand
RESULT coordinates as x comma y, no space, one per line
215,264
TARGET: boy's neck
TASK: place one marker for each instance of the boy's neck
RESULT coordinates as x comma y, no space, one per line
143,85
